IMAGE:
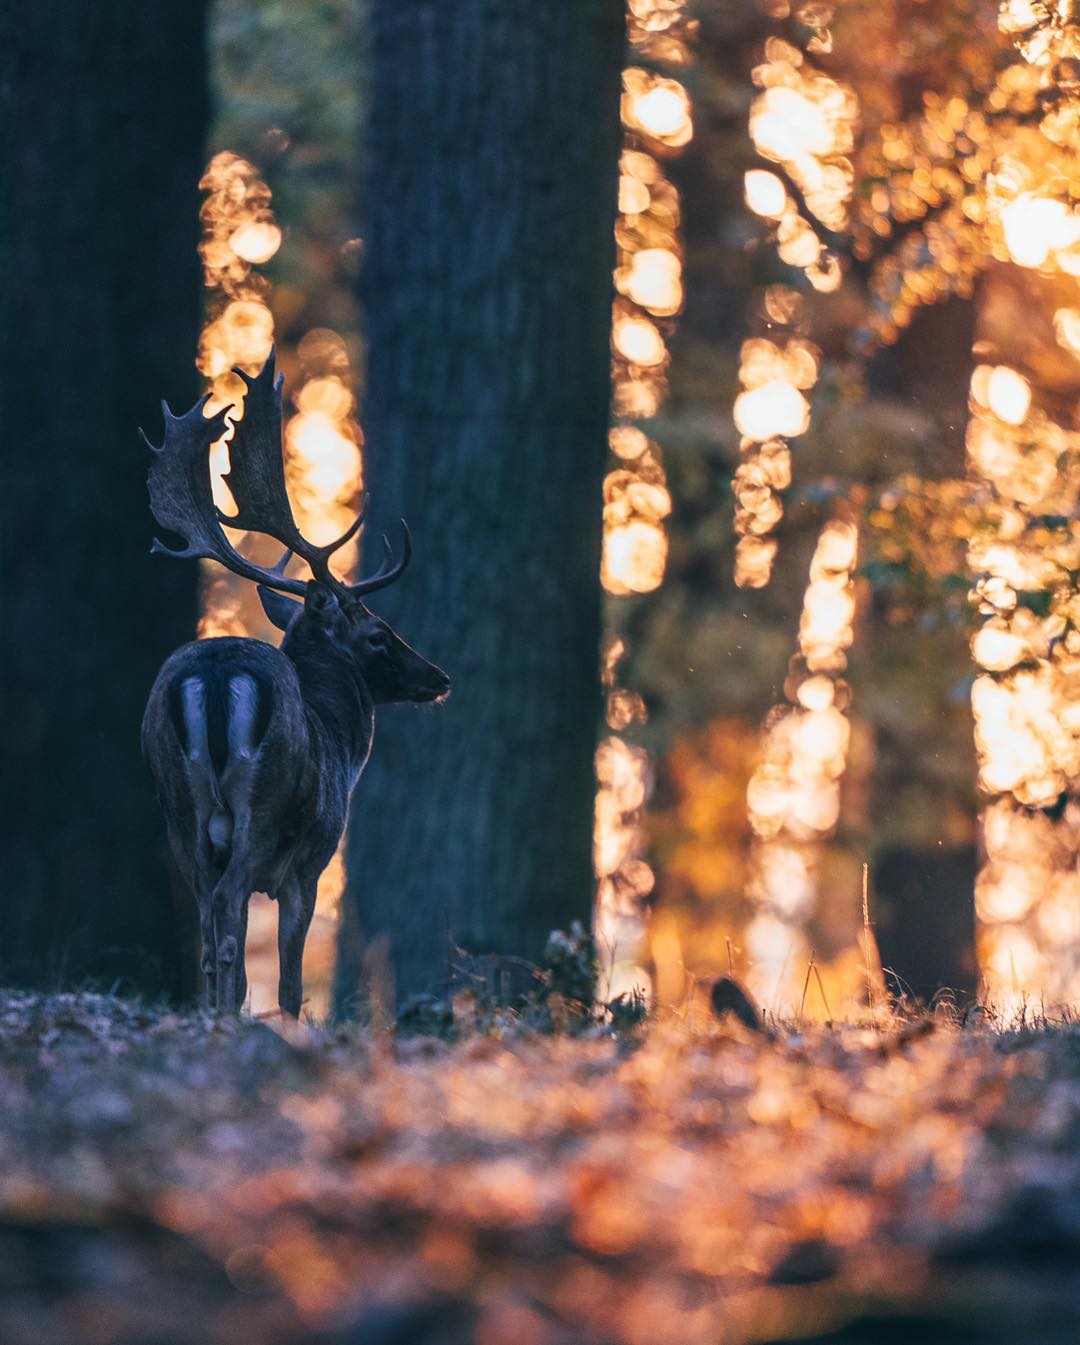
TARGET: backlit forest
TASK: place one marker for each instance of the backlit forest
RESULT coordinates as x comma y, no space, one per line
693,386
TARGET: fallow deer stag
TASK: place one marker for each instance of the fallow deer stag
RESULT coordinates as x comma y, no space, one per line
254,750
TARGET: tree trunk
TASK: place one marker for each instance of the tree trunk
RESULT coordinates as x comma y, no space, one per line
492,154
924,902
104,107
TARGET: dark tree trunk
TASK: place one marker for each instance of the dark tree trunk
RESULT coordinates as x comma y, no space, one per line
925,921
104,108
492,154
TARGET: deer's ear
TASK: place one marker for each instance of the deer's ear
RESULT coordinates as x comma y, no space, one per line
279,609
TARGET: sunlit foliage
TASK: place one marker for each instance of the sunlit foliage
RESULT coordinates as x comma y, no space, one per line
793,797
914,202
657,123
922,195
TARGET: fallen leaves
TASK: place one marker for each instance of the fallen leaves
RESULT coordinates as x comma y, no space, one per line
168,1178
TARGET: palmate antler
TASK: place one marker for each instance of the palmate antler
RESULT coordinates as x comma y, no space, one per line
182,501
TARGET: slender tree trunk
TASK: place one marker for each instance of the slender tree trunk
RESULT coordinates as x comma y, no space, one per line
492,156
104,108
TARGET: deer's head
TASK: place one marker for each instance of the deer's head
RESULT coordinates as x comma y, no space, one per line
392,670
329,609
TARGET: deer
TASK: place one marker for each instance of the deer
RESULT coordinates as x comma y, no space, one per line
255,750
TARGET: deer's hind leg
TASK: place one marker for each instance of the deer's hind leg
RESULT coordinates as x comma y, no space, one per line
208,956
202,864
296,906
195,862
233,890
230,911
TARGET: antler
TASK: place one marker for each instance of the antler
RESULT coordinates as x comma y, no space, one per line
256,476
182,501
387,576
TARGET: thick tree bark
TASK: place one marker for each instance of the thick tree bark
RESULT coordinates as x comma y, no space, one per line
492,154
104,106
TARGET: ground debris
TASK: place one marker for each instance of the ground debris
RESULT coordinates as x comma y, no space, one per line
170,1178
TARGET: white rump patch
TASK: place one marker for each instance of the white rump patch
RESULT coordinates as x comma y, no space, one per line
243,715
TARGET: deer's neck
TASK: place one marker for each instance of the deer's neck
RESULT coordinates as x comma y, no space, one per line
336,697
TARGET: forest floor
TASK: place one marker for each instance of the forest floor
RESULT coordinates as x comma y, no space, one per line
181,1180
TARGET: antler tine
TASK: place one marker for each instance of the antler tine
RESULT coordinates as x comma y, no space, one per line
257,477
384,577
182,498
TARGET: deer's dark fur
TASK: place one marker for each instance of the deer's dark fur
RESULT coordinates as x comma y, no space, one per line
255,751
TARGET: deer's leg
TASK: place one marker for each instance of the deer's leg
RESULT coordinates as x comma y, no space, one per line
230,926
231,969
241,966
233,891
194,861
230,902
201,780
296,906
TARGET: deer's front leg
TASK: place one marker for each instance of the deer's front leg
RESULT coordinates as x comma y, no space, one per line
296,906
240,972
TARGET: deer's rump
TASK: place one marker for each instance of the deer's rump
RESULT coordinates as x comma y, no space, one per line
217,680
233,715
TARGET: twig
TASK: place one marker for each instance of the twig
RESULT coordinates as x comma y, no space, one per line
730,959
691,995
866,936
806,984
